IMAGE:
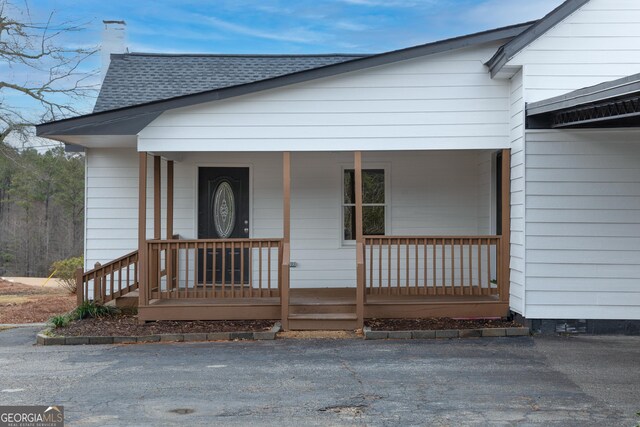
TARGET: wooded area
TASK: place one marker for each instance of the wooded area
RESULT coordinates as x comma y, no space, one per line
41,209
43,77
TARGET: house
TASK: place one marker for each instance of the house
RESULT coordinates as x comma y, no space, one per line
476,176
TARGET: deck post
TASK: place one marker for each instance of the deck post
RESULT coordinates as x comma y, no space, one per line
169,199
79,286
153,274
142,230
98,283
169,228
157,208
360,279
286,240
505,206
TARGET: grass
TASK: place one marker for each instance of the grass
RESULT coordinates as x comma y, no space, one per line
60,321
91,309
85,310
13,299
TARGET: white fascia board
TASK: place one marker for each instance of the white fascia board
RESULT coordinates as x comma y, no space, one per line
365,144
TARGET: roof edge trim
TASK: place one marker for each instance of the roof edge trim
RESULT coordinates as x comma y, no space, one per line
597,93
511,49
73,125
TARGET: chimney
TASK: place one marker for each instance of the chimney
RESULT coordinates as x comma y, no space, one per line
114,40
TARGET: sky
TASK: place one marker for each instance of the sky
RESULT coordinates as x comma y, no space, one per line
276,26
291,26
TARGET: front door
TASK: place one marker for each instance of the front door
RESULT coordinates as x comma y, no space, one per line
223,213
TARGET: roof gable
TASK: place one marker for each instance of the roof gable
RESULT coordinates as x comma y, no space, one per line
517,44
131,119
139,78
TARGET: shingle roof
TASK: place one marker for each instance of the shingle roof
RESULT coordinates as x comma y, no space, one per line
130,119
138,78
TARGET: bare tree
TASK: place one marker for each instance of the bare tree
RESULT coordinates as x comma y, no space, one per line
44,76
41,70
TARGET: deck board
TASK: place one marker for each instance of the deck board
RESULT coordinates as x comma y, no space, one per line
328,296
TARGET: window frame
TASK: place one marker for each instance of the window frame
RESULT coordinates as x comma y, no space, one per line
386,205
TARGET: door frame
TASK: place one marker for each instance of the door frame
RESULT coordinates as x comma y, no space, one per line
196,190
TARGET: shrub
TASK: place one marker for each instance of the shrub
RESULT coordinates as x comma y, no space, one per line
92,309
65,270
60,321
83,311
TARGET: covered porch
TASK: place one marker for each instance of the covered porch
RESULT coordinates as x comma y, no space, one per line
296,274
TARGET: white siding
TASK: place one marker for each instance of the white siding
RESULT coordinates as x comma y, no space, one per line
583,224
444,101
577,214
517,262
430,193
597,43
112,198
111,208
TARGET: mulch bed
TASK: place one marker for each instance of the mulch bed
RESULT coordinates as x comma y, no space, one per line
21,303
126,325
437,324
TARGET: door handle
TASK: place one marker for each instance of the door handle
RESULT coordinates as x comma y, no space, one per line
246,230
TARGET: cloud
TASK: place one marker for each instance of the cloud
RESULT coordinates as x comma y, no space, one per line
388,3
153,48
496,13
297,35
350,26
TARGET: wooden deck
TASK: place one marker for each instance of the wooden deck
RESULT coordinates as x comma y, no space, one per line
249,278
324,302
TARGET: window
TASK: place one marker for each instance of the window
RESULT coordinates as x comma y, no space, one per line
373,203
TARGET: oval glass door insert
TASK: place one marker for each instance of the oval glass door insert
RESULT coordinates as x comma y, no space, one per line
224,215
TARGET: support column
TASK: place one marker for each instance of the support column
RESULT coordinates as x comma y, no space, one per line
157,208
169,199
286,192
142,230
506,225
153,275
360,279
171,264
286,239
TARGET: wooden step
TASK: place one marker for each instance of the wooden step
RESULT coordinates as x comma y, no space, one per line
321,308
322,321
129,300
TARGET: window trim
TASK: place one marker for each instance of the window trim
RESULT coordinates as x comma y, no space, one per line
387,198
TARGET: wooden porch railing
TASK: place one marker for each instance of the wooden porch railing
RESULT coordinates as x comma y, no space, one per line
108,281
443,265
212,268
284,261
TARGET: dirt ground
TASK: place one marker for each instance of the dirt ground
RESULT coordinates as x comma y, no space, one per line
320,334
127,325
437,323
20,303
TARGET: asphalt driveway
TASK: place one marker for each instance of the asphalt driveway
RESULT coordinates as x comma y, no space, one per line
577,381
